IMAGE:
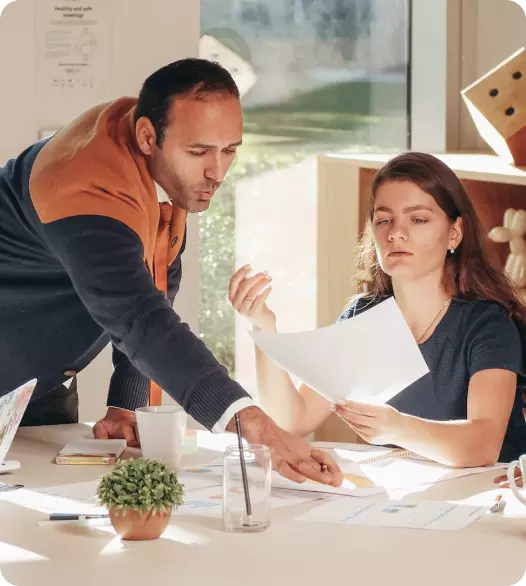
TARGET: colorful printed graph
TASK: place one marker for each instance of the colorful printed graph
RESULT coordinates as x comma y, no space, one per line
355,480
359,481
201,504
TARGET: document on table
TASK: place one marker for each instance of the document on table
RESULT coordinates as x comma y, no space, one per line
69,498
353,484
393,473
371,357
81,497
362,478
203,496
208,502
441,515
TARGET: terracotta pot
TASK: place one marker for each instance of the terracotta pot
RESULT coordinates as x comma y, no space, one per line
139,526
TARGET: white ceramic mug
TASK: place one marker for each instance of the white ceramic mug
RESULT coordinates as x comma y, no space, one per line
161,433
521,464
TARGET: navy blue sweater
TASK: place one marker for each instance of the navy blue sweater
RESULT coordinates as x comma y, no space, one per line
70,285
471,337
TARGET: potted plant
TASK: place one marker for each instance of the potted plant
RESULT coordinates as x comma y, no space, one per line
140,496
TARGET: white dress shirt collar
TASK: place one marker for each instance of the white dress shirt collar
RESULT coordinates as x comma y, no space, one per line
162,196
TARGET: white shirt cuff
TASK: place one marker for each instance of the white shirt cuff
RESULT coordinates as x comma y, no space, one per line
236,407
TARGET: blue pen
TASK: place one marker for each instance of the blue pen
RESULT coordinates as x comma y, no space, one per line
75,517
59,519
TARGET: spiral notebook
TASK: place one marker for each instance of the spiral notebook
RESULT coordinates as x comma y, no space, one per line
376,453
394,454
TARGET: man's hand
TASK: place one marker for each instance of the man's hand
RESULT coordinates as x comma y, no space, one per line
118,424
291,455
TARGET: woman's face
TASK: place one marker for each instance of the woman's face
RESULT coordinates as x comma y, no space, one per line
412,233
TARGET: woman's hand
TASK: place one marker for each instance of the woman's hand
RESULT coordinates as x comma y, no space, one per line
376,424
502,480
248,296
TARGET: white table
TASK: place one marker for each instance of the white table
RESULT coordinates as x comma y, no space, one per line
491,551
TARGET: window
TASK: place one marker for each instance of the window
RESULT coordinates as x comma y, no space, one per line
315,76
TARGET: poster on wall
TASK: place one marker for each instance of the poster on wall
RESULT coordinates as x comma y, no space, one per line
73,46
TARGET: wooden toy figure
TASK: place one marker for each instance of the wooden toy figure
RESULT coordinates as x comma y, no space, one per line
497,104
512,231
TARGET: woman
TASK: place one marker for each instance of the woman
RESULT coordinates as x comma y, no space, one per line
424,245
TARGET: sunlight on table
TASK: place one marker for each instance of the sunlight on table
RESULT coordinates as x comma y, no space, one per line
10,554
171,533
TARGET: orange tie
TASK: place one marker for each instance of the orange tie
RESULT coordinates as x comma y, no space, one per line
160,273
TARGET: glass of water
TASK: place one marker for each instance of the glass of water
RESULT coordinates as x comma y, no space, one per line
246,507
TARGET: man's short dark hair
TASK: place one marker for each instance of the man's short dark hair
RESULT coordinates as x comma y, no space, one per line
181,77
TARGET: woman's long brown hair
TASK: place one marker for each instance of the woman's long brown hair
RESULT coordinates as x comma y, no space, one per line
470,273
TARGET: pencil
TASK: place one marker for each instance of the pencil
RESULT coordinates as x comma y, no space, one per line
498,504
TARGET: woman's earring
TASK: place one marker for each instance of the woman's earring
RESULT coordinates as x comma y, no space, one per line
451,251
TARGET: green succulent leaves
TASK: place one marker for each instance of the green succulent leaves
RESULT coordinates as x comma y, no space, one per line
140,485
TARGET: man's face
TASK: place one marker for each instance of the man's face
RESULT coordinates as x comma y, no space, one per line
199,146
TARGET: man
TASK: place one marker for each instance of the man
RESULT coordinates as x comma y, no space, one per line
93,226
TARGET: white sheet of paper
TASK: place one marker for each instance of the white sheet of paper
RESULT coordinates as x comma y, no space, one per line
371,357
352,485
365,480
80,497
69,498
396,473
440,515
203,496
208,502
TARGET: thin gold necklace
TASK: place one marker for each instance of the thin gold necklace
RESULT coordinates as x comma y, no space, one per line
442,309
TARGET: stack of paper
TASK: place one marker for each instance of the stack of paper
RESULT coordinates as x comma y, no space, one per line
383,475
362,479
91,451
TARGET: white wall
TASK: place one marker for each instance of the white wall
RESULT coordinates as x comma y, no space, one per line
145,36
491,31
429,75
